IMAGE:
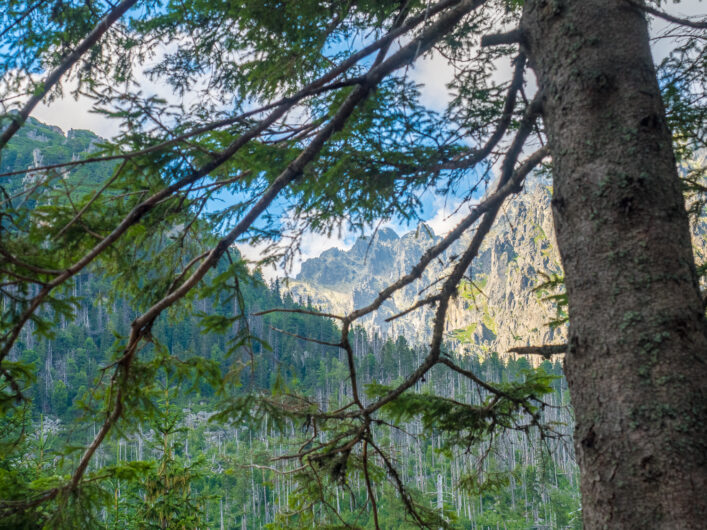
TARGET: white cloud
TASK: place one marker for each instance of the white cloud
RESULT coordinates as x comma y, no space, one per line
311,245
448,214
433,72
69,113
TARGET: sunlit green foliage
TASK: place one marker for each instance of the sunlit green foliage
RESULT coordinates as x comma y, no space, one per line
250,90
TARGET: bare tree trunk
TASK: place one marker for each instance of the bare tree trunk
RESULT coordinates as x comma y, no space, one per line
637,360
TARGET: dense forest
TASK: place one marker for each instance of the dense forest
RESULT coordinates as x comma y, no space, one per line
197,460
185,468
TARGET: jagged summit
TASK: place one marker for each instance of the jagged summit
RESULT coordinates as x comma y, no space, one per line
342,270
505,310
423,230
387,234
501,310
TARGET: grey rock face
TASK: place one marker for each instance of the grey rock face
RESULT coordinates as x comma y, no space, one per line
498,309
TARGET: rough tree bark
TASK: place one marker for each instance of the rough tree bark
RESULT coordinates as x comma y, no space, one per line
637,359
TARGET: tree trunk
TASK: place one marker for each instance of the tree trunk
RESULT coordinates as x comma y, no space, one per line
637,360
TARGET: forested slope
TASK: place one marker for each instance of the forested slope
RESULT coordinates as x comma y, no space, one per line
192,468
204,454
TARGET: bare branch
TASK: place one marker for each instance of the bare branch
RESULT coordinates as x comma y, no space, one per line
308,339
186,269
404,495
497,39
690,23
369,487
420,303
546,350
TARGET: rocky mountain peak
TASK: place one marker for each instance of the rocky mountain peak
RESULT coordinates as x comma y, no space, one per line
496,310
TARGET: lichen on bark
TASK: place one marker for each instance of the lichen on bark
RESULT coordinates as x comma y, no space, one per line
624,239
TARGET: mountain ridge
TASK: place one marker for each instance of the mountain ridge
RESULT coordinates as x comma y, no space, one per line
496,309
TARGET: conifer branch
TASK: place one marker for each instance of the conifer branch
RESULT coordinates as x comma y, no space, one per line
379,70
299,311
687,22
21,17
497,39
321,85
546,350
66,64
142,325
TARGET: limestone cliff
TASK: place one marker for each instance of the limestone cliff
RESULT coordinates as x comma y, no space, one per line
496,310
500,308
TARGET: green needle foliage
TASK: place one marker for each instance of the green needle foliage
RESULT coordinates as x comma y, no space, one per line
127,307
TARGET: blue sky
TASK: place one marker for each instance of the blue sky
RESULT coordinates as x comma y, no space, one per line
432,73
